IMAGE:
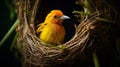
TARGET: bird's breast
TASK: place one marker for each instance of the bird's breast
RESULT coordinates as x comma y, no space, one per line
53,33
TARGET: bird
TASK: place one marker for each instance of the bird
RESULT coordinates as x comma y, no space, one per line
52,31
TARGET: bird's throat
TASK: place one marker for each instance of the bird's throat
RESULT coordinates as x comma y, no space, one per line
59,22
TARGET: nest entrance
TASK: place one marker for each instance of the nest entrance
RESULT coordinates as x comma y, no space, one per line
36,54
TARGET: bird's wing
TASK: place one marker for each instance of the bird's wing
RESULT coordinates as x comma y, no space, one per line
40,27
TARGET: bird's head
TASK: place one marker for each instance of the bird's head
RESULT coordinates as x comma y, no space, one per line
56,16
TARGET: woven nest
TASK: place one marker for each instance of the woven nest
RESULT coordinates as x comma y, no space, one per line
89,35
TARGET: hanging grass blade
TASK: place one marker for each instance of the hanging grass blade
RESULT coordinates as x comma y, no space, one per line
9,32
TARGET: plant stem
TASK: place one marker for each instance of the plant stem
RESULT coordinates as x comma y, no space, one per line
88,8
9,32
14,41
95,59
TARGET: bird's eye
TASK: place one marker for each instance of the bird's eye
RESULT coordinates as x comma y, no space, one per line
56,17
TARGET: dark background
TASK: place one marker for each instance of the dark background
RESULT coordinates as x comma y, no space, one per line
7,57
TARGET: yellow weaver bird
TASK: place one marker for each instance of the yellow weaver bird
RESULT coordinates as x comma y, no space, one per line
51,30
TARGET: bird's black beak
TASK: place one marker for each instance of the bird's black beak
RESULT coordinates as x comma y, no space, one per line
64,17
